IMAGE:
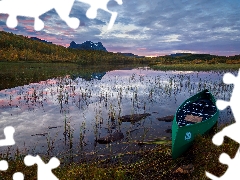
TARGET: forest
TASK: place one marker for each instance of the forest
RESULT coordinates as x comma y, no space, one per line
21,48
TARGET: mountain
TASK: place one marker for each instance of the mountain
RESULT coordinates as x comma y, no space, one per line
88,45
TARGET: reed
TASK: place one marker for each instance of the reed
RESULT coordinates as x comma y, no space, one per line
99,111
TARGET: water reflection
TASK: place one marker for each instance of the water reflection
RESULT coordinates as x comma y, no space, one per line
64,116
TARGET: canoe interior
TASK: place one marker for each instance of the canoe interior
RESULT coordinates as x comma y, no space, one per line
202,105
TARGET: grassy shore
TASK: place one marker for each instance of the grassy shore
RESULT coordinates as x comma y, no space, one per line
150,164
14,74
195,67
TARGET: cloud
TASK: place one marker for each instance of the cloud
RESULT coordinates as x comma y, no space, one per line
157,25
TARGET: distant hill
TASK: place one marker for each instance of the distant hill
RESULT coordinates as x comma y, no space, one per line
88,45
179,54
130,55
193,56
41,40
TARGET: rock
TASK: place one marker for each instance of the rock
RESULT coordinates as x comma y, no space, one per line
185,169
116,136
166,118
134,117
168,131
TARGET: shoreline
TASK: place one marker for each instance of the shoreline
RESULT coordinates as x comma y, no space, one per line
196,67
154,163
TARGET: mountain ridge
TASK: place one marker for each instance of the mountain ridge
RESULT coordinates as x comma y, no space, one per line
88,45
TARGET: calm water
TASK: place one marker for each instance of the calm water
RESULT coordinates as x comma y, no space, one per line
64,116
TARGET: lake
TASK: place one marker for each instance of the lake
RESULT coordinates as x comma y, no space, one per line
63,117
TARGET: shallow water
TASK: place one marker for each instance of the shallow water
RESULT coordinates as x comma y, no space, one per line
64,116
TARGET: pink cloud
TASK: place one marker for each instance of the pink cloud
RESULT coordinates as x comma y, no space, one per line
47,17
26,21
141,49
3,16
29,28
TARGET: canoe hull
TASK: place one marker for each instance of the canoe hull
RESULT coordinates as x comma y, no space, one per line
182,137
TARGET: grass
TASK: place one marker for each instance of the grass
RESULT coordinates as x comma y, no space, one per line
195,67
149,164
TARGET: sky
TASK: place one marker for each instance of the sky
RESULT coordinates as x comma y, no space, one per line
146,27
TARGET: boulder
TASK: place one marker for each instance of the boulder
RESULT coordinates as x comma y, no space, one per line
134,117
168,130
116,136
166,118
185,169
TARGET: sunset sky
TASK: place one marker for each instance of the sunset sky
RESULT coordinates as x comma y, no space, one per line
147,27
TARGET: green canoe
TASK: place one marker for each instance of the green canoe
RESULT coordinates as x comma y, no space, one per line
196,115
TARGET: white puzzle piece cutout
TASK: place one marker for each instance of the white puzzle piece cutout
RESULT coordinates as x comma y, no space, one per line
44,170
232,172
8,141
3,165
18,176
232,131
36,8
